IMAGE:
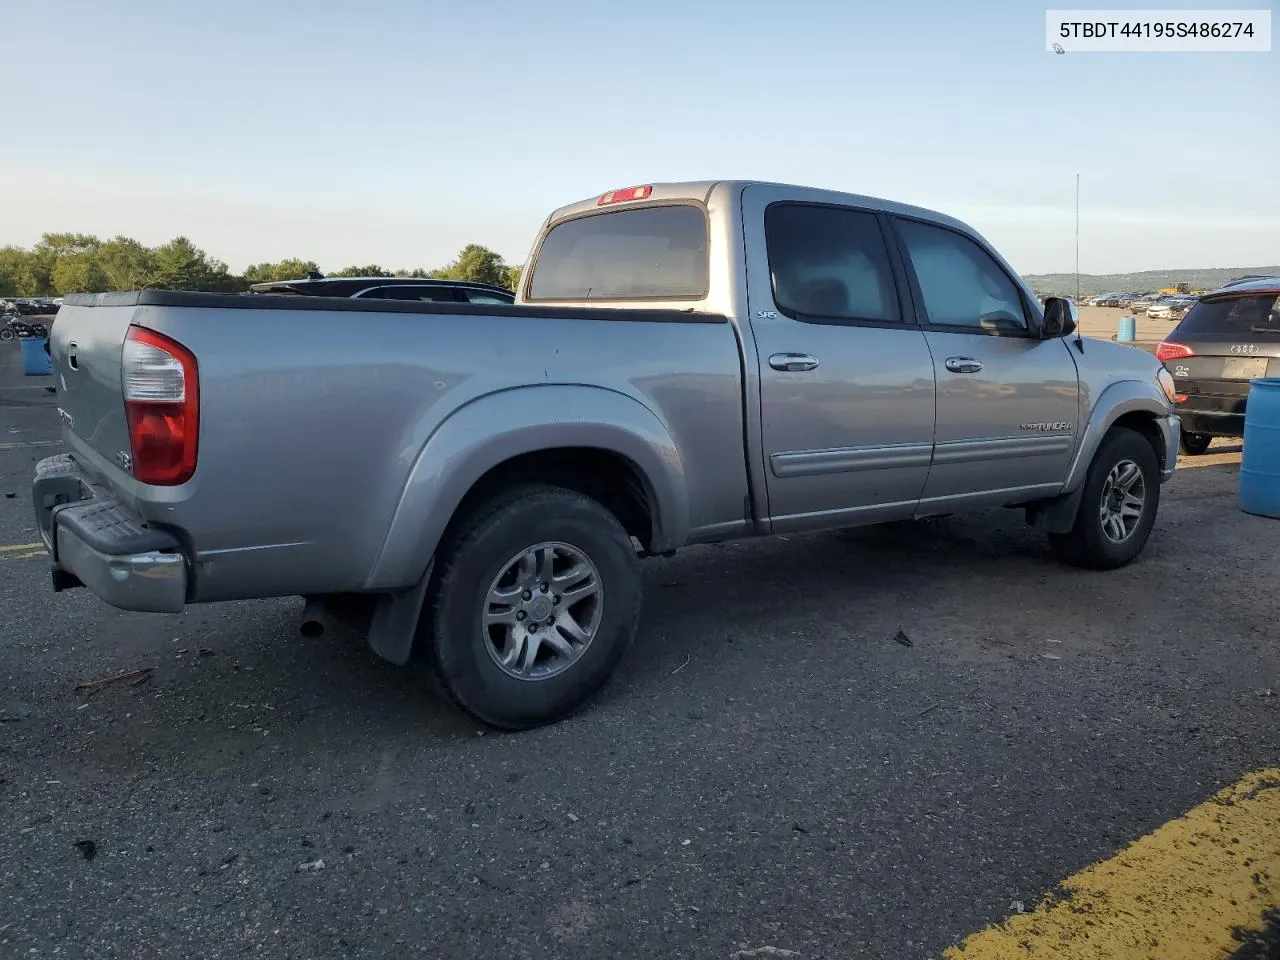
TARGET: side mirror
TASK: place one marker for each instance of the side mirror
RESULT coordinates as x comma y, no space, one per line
1060,318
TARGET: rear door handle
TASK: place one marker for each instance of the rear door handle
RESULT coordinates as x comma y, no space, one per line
963,365
793,362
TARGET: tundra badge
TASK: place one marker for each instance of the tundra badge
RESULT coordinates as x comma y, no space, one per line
1047,427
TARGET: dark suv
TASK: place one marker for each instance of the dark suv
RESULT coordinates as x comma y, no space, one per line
390,288
1229,337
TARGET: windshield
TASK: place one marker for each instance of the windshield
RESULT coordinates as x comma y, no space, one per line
648,253
1233,318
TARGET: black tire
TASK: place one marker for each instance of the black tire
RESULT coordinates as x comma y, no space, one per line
1194,444
468,563
1087,545
6,334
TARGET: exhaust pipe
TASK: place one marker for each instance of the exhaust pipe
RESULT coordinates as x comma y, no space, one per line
315,619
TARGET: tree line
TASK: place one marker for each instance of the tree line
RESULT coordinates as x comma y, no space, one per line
62,263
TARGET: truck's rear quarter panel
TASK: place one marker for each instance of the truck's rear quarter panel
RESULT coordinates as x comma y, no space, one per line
311,419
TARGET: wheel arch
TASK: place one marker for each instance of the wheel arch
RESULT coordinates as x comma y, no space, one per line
1132,404
599,442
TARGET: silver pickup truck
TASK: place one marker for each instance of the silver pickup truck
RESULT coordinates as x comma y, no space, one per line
686,363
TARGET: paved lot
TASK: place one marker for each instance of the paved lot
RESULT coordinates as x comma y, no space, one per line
770,768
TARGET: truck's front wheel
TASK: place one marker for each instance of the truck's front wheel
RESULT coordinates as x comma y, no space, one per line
1118,505
536,599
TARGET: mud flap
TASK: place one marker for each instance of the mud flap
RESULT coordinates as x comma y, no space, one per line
394,623
1057,515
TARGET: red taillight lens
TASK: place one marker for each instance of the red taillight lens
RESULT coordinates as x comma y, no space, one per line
162,405
620,196
1168,350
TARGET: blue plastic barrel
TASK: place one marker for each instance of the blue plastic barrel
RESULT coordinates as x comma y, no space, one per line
1127,331
1260,464
35,361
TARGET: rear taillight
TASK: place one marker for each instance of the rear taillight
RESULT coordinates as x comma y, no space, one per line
1167,350
162,404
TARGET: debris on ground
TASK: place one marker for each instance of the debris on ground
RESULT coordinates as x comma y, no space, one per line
13,712
1018,907
311,867
88,849
118,678
903,639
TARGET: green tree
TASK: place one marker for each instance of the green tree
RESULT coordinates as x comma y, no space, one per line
22,274
291,269
78,273
127,264
371,270
513,278
475,263
181,265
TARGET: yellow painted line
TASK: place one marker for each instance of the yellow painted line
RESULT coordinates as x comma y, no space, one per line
17,547
24,556
1187,891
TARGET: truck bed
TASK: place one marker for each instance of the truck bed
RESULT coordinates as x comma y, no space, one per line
315,412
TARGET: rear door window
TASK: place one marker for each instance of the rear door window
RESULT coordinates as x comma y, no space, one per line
644,253
1248,318
829,265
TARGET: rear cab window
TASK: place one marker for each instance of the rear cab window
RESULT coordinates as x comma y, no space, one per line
645,253
1234,318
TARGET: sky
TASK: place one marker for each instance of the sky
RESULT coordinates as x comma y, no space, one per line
396,131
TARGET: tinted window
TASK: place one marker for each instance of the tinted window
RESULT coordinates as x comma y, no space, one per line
1236,318
649,253
477,296
429,294
961,284
828,263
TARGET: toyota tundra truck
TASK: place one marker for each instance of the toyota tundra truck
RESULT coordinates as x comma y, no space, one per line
685,363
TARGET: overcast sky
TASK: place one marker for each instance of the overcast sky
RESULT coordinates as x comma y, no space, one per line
395,132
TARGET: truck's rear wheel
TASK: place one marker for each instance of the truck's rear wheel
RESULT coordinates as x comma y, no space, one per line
536,600
1117,507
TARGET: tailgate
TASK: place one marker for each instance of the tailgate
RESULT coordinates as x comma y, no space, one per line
1226,374
85,345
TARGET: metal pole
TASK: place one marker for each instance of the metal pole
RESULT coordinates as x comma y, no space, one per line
1077,238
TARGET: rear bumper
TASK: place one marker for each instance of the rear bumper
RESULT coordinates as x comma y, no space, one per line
1171,434
1215,423
95,542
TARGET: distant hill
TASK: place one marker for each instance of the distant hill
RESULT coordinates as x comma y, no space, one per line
1144,282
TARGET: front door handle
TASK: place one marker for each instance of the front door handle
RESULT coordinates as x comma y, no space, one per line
793,362
963,365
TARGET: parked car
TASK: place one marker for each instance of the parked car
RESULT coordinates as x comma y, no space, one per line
390,288
1170,308
686,363
1226,339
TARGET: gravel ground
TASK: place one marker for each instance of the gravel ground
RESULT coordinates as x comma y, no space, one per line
771,766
